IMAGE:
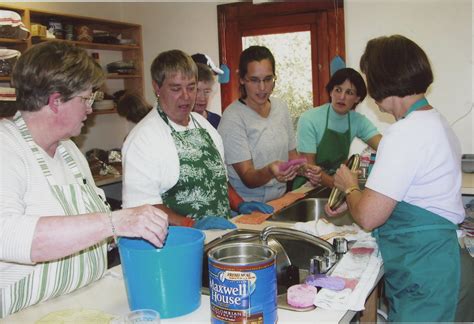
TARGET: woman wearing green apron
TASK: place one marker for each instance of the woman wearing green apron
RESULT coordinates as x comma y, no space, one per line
54,222
412,199
173,159
325,133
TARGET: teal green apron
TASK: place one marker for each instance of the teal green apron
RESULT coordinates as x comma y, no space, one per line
331,151
421,258
201,189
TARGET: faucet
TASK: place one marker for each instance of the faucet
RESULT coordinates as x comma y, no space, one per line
318,264
271,230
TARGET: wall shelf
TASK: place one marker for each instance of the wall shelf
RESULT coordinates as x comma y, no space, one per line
99,46
104,112
130,52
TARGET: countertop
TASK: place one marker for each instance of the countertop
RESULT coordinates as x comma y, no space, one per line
109,295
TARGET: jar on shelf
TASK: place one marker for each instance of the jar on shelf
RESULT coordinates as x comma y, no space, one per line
8,58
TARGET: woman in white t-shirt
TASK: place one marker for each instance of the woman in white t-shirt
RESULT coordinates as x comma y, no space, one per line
412,199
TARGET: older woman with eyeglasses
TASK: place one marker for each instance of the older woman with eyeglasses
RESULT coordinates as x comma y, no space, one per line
54,221
258,133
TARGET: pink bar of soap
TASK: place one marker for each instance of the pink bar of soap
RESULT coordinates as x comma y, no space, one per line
286,165
301,296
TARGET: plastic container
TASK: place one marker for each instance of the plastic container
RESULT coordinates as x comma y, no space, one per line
142,316
167,280
8,58
11,25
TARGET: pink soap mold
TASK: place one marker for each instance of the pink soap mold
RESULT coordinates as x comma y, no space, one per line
286,165
301,296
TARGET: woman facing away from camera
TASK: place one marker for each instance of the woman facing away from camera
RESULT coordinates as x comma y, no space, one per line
412,198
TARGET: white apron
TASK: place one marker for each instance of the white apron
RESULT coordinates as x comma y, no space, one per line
31,284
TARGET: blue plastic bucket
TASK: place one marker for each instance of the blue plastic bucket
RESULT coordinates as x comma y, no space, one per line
167,280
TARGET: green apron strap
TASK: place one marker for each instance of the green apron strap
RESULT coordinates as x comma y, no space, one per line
417,105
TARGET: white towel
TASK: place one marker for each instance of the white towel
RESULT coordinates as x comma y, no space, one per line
364,268
326,230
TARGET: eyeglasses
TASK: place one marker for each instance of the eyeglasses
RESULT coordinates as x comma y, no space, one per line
88,101
269,80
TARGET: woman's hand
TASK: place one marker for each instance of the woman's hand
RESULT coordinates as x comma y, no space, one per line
339,210
145,221
312,173
283,176
345,178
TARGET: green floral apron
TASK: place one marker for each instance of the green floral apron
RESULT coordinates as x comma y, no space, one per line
332,150
421,258
54,278
201,189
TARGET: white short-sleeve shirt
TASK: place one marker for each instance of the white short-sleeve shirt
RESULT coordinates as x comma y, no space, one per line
419,162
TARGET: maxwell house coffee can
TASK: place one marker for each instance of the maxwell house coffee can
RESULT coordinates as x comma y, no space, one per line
243,284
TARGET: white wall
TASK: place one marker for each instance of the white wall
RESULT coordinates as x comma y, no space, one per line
442,28
191,27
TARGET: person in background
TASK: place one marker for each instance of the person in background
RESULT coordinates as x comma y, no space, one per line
412,198
173,158
133,107
325,133
54,222
206,80
258,133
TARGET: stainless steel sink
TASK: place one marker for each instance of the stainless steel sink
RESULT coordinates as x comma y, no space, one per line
294,251
310,208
